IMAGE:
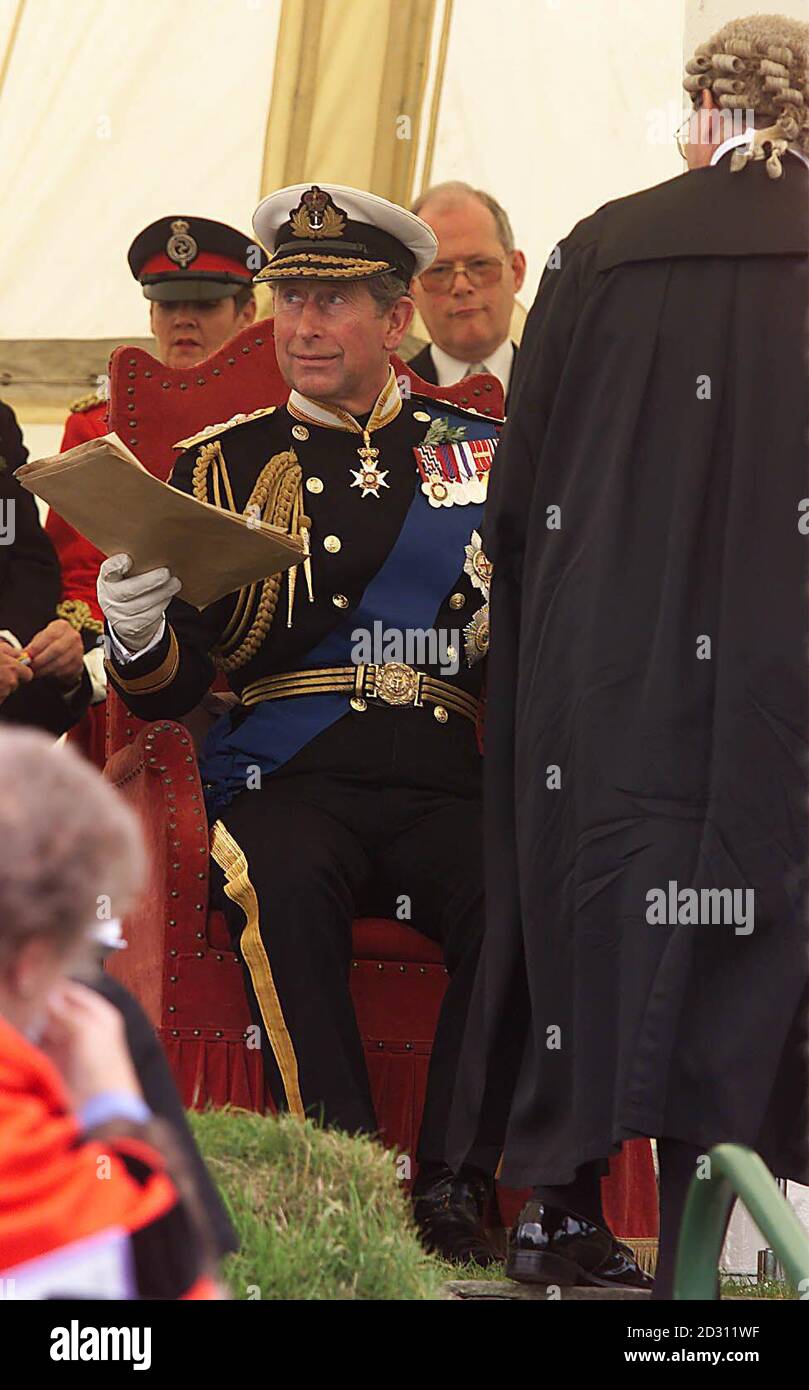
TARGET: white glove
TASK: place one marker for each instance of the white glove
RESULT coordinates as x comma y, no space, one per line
134,608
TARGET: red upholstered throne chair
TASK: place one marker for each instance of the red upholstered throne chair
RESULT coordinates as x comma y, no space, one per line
180,961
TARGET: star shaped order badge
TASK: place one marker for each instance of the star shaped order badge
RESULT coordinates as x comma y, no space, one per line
369,477
477,566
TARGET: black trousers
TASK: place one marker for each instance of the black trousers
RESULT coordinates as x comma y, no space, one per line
301,857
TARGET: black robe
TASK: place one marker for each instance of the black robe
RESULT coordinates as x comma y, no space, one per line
661,402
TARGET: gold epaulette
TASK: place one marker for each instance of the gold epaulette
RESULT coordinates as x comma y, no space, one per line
211,430
86,402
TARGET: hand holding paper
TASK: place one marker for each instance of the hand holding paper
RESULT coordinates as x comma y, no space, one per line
134,607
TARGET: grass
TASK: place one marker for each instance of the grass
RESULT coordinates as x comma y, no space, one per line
321,1215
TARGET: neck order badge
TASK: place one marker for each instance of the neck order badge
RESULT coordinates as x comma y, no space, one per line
369,476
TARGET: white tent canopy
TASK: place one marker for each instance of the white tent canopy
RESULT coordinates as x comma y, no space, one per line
113,113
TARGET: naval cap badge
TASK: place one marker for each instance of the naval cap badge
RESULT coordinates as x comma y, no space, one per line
317,215
181,246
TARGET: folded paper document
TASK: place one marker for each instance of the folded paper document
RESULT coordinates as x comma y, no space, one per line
102,490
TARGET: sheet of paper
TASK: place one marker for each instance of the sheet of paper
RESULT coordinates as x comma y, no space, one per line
102,490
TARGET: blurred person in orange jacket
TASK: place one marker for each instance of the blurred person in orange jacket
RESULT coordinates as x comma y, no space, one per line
94,1201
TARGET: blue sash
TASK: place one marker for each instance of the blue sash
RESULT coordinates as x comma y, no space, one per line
406,593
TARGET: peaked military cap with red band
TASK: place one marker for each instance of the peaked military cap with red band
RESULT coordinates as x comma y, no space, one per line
338,233
193,258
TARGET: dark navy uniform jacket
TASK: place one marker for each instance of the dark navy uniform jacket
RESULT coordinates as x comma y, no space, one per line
392,559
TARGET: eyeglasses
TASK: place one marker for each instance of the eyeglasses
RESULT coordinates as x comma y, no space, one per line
686,134
483,270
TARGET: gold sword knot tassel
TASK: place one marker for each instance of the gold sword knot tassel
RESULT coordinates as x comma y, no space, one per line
300,526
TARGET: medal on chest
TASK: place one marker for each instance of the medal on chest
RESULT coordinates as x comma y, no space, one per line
455,474
369,476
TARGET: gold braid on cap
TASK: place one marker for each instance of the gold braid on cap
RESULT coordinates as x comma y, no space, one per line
276,498
760,65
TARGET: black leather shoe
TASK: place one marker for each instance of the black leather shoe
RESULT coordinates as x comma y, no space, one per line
551,1245
448,1211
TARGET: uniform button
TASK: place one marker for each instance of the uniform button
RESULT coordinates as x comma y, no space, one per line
457,601
339,600
440,714
300,432
314,484
422,415
332,544
358,704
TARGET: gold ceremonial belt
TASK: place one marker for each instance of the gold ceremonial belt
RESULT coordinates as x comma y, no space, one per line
394,684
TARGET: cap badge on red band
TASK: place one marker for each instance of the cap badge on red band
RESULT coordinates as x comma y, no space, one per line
181,246
317,215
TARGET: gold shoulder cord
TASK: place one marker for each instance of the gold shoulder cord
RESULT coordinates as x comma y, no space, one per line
276,497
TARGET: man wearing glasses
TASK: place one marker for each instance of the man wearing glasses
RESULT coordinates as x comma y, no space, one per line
466,298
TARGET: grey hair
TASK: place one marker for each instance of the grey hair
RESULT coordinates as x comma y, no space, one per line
68,841
453,191
758,64
385,289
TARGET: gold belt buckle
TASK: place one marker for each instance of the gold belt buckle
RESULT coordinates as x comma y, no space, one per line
396,683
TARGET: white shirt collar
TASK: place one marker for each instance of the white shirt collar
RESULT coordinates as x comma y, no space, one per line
744,139
451,369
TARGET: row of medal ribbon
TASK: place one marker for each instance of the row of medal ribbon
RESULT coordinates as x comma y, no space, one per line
455,474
